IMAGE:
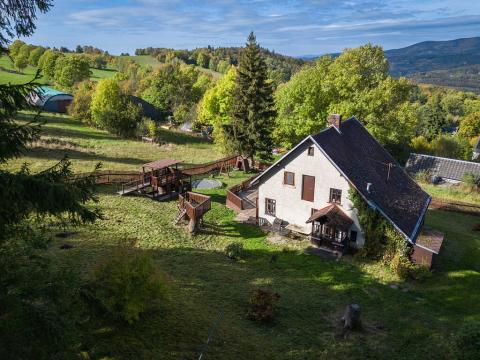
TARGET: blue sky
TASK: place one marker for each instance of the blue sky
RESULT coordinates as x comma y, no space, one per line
293,27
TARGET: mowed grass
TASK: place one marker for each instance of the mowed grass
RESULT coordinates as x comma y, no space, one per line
29,72
26,75
87,146
452,193
414,321
147,60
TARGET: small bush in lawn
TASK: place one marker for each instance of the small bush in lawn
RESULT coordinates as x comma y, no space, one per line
261,305
405,269
127,284
467,341
419,272
235,251
400,265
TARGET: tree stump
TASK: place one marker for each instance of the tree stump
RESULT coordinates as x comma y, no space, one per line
351,317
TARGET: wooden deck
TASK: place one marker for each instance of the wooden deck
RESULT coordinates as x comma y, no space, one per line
133,186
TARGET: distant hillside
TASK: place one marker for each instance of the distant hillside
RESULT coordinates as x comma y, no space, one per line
219,59
465,78
434,55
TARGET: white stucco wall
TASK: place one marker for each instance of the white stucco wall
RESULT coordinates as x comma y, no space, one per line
289,204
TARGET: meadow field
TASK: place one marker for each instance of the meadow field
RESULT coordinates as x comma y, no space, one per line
401,320
8,73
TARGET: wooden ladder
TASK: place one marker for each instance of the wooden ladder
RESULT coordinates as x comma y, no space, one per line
180,215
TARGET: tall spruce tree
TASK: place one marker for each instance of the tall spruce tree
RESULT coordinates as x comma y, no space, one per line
252,116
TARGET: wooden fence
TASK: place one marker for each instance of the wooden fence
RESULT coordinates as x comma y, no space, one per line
201,169
111,176
234,201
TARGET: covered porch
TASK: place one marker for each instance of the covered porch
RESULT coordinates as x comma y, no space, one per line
330,228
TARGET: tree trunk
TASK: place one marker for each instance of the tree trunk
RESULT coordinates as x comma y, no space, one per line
351,317
192,225
246,165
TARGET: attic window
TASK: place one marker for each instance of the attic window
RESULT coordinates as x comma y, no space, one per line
311,150
289,178
335,196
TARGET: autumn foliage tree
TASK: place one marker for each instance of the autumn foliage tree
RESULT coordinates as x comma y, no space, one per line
356,83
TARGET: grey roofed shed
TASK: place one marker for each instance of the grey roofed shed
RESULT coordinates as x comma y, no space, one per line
449,169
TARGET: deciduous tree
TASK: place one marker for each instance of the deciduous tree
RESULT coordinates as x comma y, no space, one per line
356,83
216,105
112,110
71,69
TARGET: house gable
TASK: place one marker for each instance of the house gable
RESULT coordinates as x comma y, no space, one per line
365,164
313,171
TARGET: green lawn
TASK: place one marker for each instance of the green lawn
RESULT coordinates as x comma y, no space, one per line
14,77
28,73
144,60
147,60
413,324
452,193
86,146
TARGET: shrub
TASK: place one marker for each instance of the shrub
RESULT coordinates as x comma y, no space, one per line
405,269
235,251
79,109
423,176
476,227
401,265
127,284
467,341
419,272
471,182
262,305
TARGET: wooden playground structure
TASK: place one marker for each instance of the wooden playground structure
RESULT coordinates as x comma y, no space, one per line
191,207
160,180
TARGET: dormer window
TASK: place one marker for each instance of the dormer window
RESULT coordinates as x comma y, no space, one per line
311,150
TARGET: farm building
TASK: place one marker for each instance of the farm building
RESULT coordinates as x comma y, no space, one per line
49,99
439,168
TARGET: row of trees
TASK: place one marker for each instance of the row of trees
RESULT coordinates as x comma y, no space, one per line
24,54
173,89
358,83
280,67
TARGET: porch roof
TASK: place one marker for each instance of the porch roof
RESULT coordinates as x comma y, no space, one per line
335,216
430,240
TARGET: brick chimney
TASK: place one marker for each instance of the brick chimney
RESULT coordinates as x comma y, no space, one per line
334,120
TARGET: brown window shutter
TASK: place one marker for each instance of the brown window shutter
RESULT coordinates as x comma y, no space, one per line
308,188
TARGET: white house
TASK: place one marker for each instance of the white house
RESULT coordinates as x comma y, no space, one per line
308,188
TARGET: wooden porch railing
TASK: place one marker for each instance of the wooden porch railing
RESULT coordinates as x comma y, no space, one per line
234,201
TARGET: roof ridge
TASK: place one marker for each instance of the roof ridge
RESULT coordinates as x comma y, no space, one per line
445,158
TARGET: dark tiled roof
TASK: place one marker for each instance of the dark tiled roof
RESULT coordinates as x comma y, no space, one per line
160,164
430,240
335,216
437,166
363,160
